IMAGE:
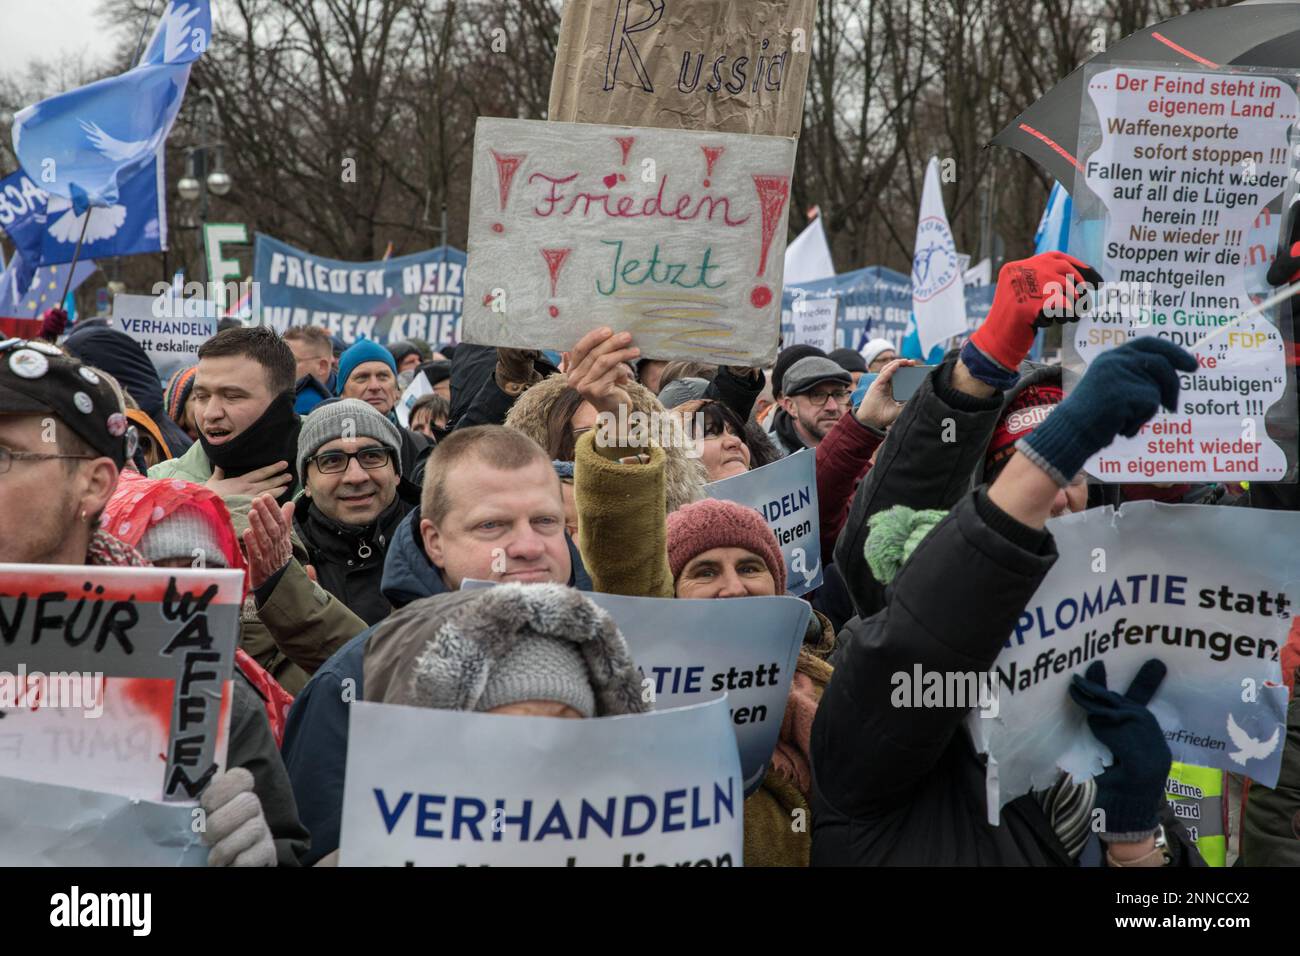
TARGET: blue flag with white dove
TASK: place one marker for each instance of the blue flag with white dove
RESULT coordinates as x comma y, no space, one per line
46,229
85,145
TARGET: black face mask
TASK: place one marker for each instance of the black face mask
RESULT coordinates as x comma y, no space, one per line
272,438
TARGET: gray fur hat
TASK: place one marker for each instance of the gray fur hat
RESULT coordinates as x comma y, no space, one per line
483,648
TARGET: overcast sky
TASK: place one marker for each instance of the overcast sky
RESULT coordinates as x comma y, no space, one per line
47,28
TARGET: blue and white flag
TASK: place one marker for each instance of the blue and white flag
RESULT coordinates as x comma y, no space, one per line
938,302
87,144
1053,233
46,229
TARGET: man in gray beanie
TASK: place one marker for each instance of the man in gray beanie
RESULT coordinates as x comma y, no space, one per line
349,457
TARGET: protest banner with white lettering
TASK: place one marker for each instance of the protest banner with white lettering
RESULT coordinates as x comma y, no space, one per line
1176,205
48,825
814,322
117,679
450,788
785,494
168,328
1207,590
391,300
735,66
874,303
677,237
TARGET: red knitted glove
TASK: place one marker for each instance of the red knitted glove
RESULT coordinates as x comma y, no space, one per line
56,320
1026,290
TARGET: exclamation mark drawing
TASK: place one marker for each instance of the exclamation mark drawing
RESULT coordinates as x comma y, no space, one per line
711,154
625,143
555,259
773,194
507,166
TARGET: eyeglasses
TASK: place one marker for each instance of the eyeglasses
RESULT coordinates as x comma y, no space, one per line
334,462
7,458
820,397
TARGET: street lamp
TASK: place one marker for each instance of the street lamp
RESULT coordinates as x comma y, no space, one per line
219,182
204,166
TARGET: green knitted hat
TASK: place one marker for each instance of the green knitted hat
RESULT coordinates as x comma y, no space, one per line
894,536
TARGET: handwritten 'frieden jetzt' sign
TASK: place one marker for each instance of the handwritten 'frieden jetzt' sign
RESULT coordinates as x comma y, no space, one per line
675,236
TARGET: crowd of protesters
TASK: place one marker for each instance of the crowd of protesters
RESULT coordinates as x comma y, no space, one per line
283,457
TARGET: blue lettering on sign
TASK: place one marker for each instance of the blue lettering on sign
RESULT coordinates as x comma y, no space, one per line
787,504
632,815
391,816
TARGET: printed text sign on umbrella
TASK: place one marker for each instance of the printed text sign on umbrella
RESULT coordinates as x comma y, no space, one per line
1249,33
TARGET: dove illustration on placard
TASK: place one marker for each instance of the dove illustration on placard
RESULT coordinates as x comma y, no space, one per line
1248,748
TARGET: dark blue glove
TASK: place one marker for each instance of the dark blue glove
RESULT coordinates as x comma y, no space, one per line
1131,790
1121,392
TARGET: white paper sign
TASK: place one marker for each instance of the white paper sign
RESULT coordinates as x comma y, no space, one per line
117,679
418,388
785,494
1210,591
695,650
48,825
170,330
1186,163
814,322
451,788
676,236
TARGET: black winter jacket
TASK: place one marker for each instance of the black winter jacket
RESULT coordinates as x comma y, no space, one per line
349,561
904,786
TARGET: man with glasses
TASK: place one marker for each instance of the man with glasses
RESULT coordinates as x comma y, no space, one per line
815,395
348,456
64,436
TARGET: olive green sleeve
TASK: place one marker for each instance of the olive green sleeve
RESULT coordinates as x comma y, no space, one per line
621,522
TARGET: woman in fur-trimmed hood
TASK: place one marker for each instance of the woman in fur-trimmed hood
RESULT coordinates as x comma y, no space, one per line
546,413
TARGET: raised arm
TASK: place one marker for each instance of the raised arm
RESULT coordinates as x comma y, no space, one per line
959,595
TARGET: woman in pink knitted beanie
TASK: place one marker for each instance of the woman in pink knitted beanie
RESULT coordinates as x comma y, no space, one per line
721,549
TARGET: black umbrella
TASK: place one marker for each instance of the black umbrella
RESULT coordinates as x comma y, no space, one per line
1253,33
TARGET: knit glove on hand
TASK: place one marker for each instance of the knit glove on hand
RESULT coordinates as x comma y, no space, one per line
1027,290
54,321
236,827
1131,790
1123,389
515,368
